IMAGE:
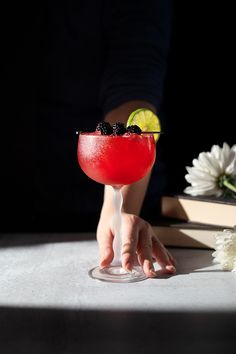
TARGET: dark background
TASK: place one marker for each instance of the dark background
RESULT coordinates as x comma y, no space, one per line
198,100
197,109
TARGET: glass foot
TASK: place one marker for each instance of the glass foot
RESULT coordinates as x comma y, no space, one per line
116,274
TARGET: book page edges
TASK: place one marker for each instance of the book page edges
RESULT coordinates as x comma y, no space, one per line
199,211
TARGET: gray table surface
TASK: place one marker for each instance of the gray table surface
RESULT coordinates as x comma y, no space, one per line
48,303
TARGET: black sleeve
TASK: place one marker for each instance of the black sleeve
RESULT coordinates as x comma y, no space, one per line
137,37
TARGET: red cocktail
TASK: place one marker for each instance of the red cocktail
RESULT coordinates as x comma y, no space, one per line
116,160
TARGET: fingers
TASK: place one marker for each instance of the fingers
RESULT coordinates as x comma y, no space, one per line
129,244
163,256
105,249
145,253
139,241
173,261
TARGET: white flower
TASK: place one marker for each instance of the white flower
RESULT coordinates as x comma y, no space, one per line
213,172
225,253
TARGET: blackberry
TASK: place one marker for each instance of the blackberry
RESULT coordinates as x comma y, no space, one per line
105,128
134,129
119,128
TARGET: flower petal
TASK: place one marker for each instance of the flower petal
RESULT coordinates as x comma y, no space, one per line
225,252
208,168
214,163
193,171
234,148
198,165
206,161
195,191
215,151
226,155
200,182
231,163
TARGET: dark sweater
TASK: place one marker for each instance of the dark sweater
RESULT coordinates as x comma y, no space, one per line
68,63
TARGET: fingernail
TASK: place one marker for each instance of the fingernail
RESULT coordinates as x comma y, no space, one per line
102,265
128,267
171,268
153,273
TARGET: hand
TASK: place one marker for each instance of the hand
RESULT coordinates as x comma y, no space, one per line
140,245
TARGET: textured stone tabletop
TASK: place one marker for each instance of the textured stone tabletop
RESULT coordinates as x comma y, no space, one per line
44,282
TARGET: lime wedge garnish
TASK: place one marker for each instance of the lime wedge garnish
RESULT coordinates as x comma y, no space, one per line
146,120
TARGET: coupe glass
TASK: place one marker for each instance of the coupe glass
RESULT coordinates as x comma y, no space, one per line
116,160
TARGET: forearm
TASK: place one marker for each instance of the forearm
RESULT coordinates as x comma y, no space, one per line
134,194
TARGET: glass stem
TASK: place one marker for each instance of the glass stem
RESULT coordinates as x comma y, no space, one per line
117,222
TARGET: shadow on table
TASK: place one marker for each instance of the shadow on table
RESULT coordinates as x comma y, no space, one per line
188,260
31,239
49,331
191,260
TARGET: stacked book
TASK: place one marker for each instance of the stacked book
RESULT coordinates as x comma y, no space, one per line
194,221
